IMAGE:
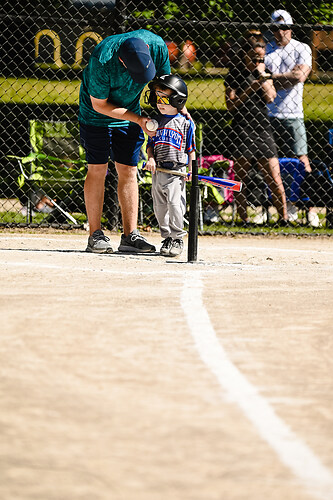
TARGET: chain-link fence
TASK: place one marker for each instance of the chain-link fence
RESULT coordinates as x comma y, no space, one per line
45,46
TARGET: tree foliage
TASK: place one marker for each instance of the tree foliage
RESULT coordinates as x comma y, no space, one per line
302,11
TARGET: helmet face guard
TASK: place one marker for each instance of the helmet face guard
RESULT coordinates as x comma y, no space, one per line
179,94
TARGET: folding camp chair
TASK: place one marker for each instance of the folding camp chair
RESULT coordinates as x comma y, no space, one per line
219,199
55,168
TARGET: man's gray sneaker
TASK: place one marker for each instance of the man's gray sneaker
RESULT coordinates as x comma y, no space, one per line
99,243
177,247
166,246
134,242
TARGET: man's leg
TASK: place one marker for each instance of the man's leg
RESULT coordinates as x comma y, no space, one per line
241,167
301,152
272,174
128,196
126,145
94,195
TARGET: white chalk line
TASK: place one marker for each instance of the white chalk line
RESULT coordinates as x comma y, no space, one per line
292,452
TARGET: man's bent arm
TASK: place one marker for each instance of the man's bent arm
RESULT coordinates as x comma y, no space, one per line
105,107
286,80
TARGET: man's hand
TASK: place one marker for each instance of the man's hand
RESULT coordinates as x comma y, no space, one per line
298,74
186,113
255,85
301,72
143,122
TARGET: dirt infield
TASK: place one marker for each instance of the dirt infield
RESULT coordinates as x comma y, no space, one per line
144,378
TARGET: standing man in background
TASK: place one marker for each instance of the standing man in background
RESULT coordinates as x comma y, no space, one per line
111,125
290,62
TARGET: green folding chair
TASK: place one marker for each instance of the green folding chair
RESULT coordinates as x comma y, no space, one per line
55,169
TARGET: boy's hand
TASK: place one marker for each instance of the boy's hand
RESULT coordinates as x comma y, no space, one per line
151,165
189,176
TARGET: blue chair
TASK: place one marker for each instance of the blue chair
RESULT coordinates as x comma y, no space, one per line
330,137
316,191
303,189
293,174
330,148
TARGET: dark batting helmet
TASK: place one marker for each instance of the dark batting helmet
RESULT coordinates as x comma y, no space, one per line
179,94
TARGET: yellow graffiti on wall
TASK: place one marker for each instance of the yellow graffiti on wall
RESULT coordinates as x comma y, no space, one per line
58,64
79,46
56,47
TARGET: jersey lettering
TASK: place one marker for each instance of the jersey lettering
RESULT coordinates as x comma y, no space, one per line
169,136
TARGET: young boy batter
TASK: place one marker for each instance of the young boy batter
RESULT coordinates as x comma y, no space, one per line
172,148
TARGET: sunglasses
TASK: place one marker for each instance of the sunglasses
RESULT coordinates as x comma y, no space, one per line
258,60
283,27
162,98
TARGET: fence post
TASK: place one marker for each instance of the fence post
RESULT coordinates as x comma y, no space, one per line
192,251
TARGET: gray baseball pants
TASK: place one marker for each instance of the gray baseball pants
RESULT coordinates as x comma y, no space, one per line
169,200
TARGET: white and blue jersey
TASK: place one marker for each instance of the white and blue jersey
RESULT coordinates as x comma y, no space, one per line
174,139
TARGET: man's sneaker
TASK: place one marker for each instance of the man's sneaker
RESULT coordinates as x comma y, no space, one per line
292,212
260,218
99,243
210,216
313,219
134,242
177,247
166,246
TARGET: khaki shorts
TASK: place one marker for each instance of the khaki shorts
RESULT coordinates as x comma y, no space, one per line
290,136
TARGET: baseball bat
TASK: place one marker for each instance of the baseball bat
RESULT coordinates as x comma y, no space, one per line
215,181
61,209
48,197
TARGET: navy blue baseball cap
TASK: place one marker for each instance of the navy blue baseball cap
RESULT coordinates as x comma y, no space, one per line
137,59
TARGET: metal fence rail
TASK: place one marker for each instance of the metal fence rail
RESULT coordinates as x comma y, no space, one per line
44,48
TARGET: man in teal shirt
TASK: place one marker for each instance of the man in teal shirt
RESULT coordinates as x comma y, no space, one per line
111,125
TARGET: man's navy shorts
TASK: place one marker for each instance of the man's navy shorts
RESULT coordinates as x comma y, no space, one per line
121,144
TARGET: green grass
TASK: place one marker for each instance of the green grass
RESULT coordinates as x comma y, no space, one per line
34,91
40,219
270,230
210,94
206,94
318,101
203,94
17,218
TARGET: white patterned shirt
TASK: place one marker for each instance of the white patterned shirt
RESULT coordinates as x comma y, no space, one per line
288,102
174,139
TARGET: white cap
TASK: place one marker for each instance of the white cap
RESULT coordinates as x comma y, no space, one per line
281,17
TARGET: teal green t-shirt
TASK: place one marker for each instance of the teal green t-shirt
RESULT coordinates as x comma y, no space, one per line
105,77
